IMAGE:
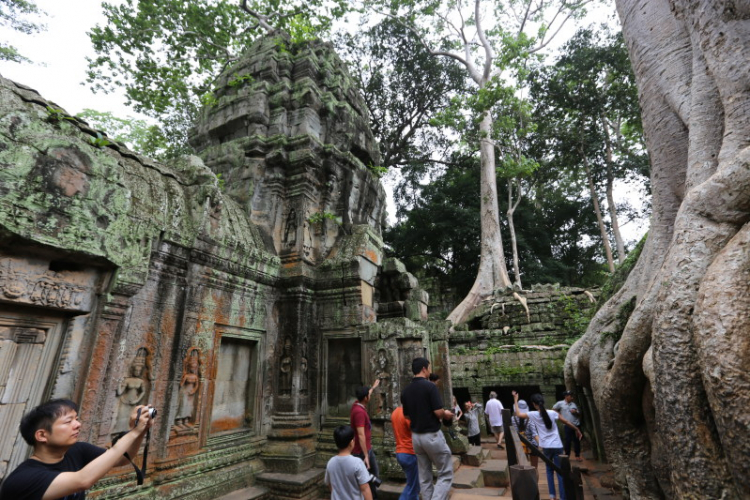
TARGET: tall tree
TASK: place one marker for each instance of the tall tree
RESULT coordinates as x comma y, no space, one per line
14,15
486,38
588,103
404,88
665,359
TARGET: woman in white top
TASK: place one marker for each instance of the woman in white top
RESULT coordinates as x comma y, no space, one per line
549,437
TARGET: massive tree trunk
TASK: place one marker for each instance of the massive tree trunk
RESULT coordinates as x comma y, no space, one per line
673,392
493,272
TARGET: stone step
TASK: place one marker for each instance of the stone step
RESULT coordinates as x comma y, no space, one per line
479,493
467,477
475,456
251,493
390,491
456,460
495,473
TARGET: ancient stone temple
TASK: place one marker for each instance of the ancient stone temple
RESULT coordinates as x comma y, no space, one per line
244,292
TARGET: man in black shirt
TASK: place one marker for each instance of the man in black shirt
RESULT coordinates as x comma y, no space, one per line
61,467
424,407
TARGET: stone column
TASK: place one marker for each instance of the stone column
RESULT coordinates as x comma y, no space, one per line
291,442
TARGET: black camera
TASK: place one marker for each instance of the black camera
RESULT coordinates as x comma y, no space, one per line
375,481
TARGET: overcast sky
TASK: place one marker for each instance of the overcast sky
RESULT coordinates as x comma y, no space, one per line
59,57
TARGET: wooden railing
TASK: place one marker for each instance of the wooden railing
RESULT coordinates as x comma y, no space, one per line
521,472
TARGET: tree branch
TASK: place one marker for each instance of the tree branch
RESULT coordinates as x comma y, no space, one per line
489,56
262,20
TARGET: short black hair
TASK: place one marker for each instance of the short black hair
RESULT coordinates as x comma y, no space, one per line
43,416
362,392
343,435
418,365
434,377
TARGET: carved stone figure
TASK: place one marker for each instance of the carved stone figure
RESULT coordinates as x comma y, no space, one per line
285,369
385,381
188,391
290,234
303,376
132,391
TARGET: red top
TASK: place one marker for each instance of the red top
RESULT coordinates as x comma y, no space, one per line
402,431
359,418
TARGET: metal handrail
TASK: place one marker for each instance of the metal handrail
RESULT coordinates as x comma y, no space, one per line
571,475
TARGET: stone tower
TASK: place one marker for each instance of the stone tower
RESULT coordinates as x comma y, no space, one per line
243,292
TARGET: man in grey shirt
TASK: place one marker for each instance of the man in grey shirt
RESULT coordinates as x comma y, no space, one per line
569,410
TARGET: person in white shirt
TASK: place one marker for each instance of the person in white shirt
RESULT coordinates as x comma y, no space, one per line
549,437
493,409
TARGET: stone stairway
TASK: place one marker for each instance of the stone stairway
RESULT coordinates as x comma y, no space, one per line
483,473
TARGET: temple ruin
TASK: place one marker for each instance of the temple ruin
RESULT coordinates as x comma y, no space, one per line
244,292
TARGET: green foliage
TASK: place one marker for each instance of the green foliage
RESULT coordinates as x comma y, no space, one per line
238,80
578,315
13,16
222,182
100,141
586,109
138,135
404,88
319,217
377,170
56,115
209,99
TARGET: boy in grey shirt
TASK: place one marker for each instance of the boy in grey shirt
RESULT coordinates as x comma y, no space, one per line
346,475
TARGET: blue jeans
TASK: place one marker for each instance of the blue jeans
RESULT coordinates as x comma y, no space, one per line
554,455
408,462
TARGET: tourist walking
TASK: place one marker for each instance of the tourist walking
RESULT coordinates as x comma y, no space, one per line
549,437
424,407
360,422
405,454
568,409
494,411
472,413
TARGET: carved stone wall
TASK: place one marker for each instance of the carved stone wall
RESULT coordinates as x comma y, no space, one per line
238,292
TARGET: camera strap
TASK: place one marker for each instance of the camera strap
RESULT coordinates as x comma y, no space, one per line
140,473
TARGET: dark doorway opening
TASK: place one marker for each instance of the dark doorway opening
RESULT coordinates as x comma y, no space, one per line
462,396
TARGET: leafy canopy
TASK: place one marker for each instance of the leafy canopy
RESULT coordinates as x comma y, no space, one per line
138,135
13,15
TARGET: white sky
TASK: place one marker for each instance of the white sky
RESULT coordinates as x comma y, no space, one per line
59,57
59,68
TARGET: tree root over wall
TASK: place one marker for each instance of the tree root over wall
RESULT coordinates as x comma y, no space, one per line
666,359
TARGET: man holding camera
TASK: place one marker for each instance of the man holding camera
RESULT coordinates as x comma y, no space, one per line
424,407
60,466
